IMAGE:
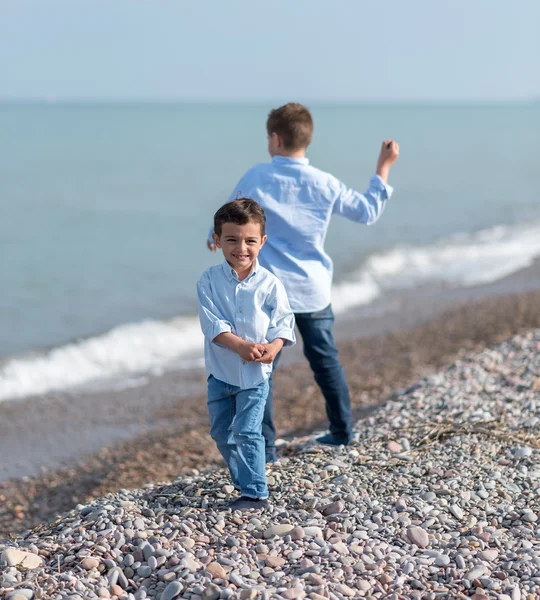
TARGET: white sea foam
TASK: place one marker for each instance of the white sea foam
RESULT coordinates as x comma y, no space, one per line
462,260
148,346
128,352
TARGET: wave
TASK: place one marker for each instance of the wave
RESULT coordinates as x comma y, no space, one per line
460,260
128,352
148,346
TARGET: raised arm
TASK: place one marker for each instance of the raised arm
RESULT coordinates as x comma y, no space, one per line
369,206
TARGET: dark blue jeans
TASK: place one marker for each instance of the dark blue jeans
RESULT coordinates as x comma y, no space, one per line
322,354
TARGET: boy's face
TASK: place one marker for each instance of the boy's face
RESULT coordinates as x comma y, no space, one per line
241,244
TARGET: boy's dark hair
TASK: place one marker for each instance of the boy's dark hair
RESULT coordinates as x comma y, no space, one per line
293,123
240,212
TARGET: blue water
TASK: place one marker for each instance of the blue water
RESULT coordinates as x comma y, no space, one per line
105,209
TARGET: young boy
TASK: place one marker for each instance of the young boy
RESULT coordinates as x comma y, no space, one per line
246,320
299,201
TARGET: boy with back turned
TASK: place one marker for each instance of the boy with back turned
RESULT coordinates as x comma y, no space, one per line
299,201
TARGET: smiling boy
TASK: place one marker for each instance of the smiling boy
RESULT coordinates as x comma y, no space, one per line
246,320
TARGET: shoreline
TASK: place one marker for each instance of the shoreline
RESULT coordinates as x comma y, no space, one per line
171,429
59,429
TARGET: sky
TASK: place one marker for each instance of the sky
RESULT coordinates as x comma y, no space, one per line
259,50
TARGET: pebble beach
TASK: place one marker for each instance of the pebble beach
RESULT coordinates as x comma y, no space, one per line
438,497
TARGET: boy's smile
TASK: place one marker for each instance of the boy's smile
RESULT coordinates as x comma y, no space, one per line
241,245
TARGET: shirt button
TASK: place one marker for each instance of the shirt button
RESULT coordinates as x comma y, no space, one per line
239,310
244,362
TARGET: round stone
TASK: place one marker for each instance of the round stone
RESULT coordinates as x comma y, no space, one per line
442,560
21,594
418,536
90,563
476,572
279,530
172,590
216,570
488,555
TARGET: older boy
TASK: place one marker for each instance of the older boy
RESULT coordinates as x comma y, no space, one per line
246,320
299,201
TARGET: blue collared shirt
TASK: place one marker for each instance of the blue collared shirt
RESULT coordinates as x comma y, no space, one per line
299,201
255,309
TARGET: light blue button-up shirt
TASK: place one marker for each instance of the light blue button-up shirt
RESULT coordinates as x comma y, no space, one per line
255,309
299,201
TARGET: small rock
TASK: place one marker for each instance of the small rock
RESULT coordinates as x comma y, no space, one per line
90,563
476,572
385,579
232,541
341,548
191,564
274,561
394,447
216,570
21,594
248,594
418,536
294,593
186,543
456,511
227,489
363,585
297,534
279,530
28,560
172,590
345,590
211,591
313,531
488,555
442,560
333,508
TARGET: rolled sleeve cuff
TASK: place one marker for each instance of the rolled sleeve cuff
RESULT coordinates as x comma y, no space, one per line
284,334
216,329
380,185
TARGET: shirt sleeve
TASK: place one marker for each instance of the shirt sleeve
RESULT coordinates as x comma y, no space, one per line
362,208
212,322
281,317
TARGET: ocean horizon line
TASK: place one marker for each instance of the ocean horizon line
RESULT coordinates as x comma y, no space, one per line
223,103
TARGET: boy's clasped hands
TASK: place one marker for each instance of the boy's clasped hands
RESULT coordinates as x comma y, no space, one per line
263,353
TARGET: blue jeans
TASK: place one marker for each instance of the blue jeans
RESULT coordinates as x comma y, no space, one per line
235,425
322,354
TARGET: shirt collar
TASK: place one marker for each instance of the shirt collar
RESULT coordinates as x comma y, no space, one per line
231,274
288,160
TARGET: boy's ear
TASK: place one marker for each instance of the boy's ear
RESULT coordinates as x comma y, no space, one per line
216,240
264,238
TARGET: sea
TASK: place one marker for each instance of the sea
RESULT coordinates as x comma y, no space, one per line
105,209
